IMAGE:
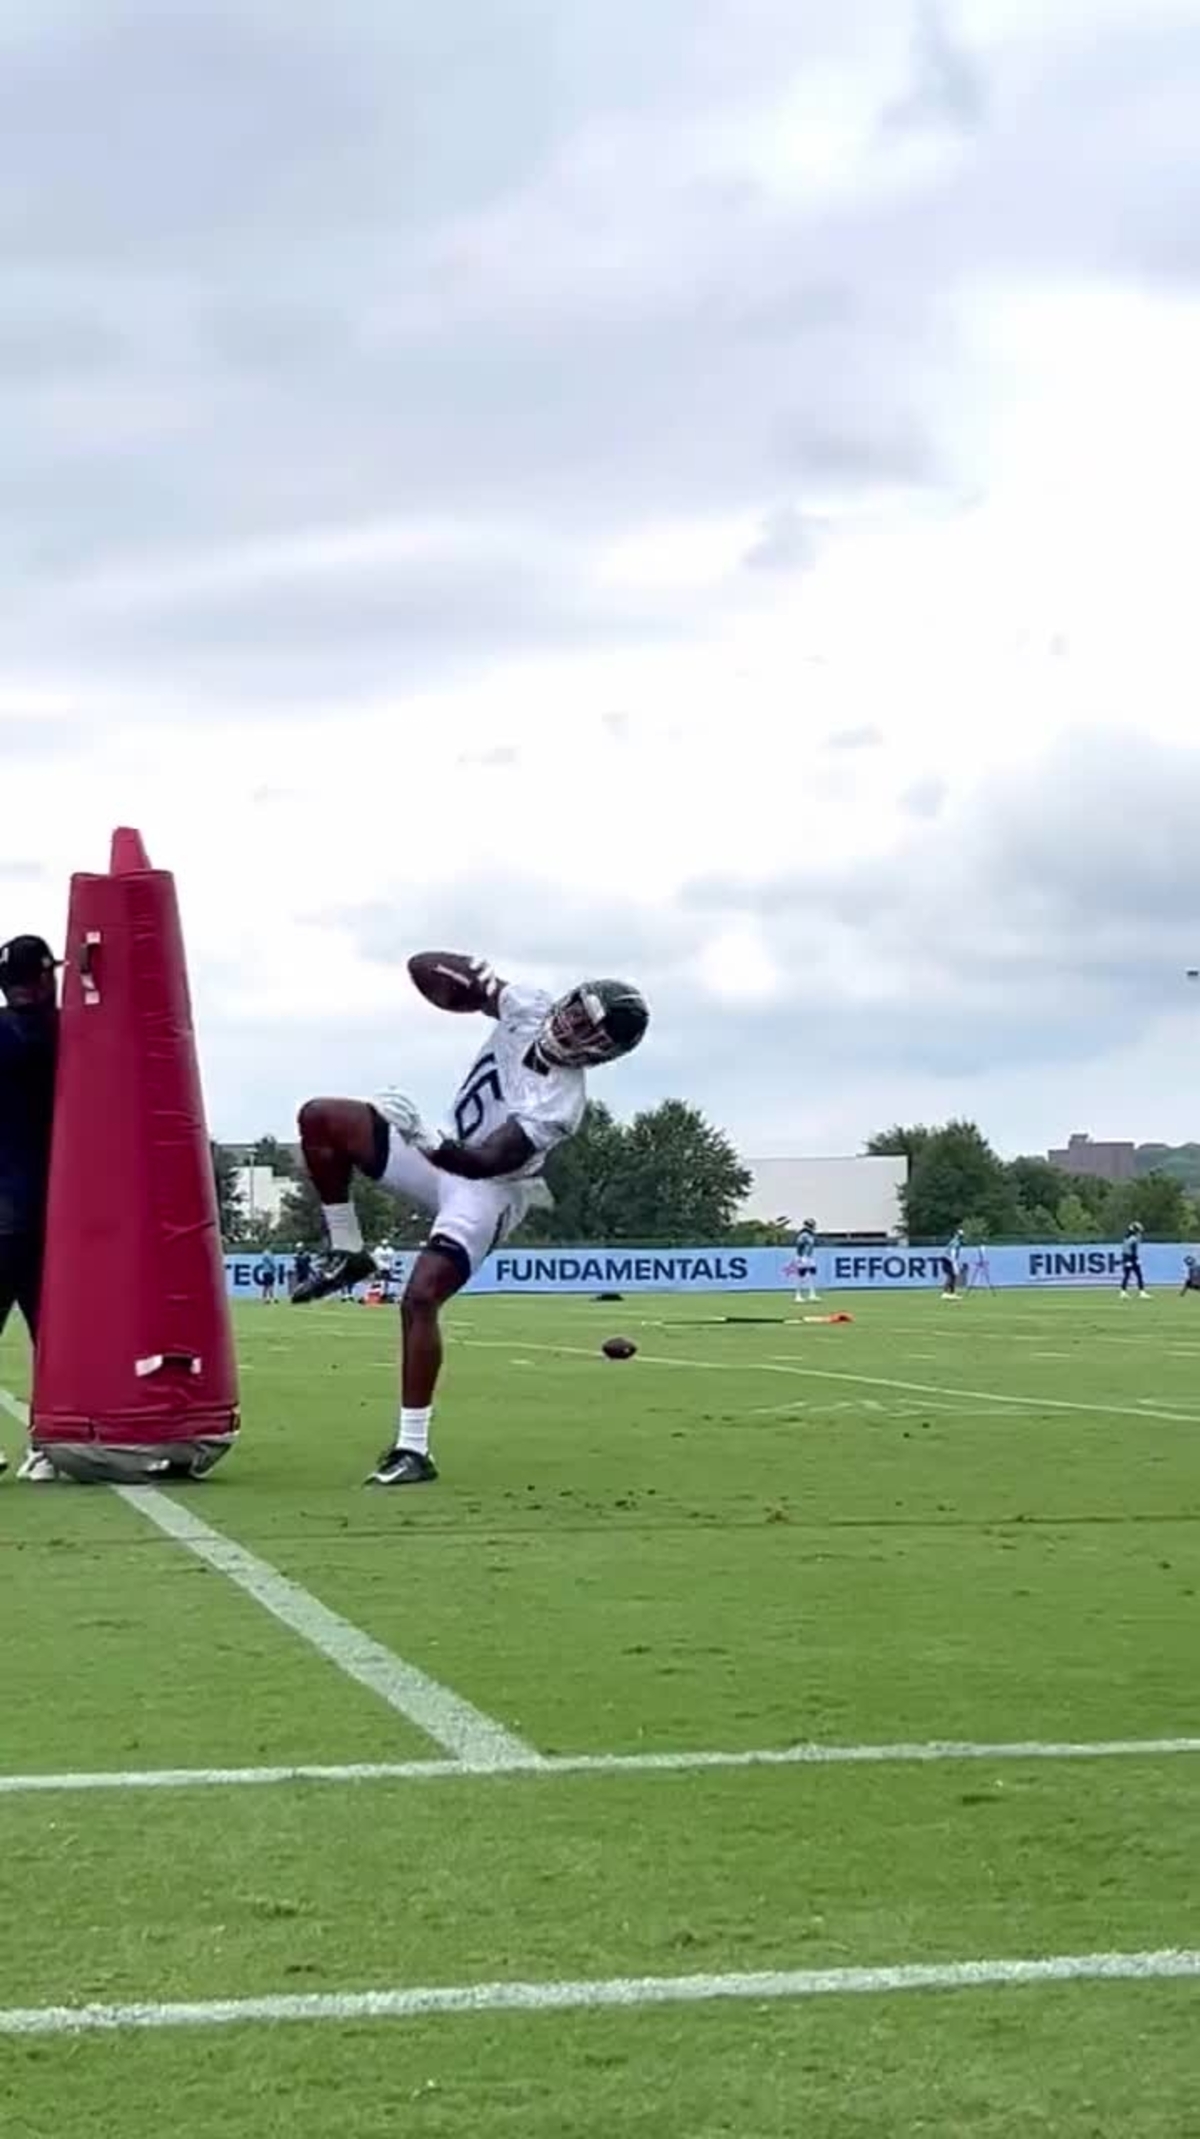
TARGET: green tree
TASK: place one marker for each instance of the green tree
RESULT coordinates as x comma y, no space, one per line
1041,1222
1181,1161
229,1194
1037,1187
761,1233
679,1178
668,1176
899,1142
957,1175
270,1152
302,1224
1158,1203
1096,1197
582,1176
1075,1221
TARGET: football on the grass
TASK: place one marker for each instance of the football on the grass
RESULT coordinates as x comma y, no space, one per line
618,1348
446,979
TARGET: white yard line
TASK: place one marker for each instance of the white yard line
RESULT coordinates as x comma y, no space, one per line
452,1723
14,1407
993,1396
929,1753
865,1406
624,1992
1143,1346
866,1381
462,1730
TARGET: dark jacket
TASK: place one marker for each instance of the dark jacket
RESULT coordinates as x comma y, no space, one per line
28,1051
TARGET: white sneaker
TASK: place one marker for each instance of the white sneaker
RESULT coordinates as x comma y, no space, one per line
37,1469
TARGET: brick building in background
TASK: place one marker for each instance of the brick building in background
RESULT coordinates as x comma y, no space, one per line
1102,1162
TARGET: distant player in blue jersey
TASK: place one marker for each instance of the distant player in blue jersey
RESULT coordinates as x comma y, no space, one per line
806,1263
951,1264
1131,1262
1191,1274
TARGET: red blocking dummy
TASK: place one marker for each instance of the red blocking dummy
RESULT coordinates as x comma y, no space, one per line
135,1373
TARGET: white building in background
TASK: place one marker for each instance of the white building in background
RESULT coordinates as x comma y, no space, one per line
261,1192
857,1197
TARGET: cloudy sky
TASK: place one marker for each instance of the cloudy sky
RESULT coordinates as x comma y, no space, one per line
701,489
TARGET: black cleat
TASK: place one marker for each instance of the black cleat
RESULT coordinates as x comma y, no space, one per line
334,1273
403,1466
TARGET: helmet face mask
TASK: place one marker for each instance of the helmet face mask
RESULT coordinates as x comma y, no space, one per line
599,1021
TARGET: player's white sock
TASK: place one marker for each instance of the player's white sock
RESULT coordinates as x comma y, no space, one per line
414,1430
342,1226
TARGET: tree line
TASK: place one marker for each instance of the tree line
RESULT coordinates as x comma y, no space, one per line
670,1177
956,1178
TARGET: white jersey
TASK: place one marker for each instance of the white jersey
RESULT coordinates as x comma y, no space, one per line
500,1086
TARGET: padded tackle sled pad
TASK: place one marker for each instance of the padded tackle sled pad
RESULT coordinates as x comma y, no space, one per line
134,1377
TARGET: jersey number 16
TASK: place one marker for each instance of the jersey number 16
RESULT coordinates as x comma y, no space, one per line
470,1109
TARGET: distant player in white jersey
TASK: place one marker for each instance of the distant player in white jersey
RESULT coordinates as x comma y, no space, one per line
952,1265
806,1263
478,1177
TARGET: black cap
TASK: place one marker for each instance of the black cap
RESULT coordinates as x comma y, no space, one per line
24,960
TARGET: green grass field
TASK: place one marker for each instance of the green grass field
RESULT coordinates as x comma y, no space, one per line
935,1530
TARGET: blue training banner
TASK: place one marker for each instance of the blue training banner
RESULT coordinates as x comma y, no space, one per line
698,1270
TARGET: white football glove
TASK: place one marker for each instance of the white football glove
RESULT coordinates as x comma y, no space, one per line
403,1115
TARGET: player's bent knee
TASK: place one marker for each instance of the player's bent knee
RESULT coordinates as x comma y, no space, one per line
441,1270
345,1125
314,1120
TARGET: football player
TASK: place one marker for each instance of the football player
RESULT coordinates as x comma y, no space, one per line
806,1263
1191,1274
1131,1261
524,1093
952,1264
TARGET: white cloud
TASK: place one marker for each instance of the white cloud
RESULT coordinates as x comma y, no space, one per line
709,491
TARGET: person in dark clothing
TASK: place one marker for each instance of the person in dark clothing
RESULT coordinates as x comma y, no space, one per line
28,1051
302,1267
1191,1275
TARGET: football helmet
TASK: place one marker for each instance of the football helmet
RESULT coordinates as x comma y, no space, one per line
598,1021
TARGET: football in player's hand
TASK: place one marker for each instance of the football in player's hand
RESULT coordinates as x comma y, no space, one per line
448,980
618,1348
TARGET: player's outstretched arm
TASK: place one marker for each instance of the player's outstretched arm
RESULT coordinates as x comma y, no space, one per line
505,1151
451,981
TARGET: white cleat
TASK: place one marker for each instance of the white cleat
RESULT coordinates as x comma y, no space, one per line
37,1469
